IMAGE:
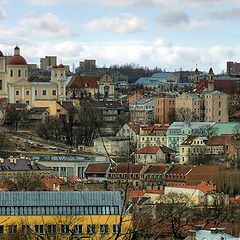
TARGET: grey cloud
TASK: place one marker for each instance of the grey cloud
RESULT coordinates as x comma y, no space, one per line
172,18
232,14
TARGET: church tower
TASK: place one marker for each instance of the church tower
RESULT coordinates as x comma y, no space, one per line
210,80
196,78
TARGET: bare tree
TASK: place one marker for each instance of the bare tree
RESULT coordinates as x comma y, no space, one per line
183,114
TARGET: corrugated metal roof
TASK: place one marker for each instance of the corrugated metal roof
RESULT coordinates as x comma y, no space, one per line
47,198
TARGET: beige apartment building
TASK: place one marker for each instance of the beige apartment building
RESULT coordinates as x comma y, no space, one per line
16,85
209,106
47,62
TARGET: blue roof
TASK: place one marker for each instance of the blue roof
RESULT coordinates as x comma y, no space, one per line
148,81
50,198
160,75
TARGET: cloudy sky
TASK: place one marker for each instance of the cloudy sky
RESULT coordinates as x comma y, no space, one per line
170,34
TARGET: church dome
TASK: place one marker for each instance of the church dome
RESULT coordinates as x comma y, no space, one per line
1,54
54,66
17,60
60,66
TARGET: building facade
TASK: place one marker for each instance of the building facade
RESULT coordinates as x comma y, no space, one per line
81,214
16,85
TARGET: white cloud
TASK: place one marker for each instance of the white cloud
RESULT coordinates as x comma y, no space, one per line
3,14
124,23
46,25
140,3
157,53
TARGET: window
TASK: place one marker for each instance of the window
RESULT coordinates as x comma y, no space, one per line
54,92
64,229
52,229
0,84
17,93
58,110
27,93
219,104
12,229
91,229
39,229
77,229
25,73
19,73
44,92
11,73
116,228
36,92
103,228
27,102
1,229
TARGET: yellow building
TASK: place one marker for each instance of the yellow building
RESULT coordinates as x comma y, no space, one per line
152,136
59,215
194,145
18,87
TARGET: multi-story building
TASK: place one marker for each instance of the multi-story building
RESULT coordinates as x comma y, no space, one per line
75,214
233,69
17,167
194,146
142,110
16,85
191,102
152,135
216,106
48,62
178,132
165,106
87,65
210,105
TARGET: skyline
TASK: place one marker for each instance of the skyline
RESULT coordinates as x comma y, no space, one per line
169,35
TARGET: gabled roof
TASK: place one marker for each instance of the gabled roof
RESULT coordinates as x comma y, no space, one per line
148,150
97,168
161,75
166,149
84,82
222,85
216,141
127,168
203,186
181,170
135,127
159,169
21,165
67,105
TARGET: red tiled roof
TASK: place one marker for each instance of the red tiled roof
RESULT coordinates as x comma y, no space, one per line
235,200
148,150
17,60
204,187
222,85
156,169
97,168
180,170
166,149
216,141
160,192
127,168
136,193
84,82
135,127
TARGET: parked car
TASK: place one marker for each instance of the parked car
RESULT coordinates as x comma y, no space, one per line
52,147
31,142
39,144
